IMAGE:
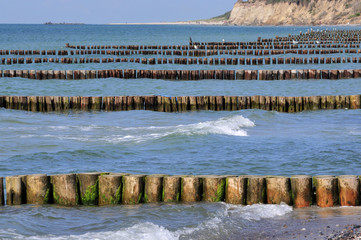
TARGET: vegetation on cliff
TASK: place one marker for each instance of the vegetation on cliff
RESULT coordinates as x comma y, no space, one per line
295,12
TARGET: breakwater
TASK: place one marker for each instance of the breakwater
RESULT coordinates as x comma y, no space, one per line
122,188
304,74
189,61
179,103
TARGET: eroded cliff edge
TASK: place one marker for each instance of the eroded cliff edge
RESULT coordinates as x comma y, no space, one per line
295,12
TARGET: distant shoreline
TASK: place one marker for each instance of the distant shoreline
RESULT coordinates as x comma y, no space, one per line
64,23
219,23
224,23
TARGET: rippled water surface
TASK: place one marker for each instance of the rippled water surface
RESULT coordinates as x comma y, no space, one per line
203,142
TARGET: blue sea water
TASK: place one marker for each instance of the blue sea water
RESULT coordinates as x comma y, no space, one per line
203,142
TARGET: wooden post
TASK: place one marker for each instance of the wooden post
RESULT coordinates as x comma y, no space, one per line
326,191
171,188
88,184
65,189
214,188
38,190
331,101
349,190
15,190
240,75
153,188
2,198
236,189
133,189
278,190
191,189
110,189
355,101
96,103
256,190
301,187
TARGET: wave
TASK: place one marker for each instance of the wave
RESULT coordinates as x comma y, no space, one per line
142,231
233,218
231,126
218,225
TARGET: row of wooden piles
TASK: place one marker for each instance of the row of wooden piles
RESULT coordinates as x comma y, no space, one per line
122,188
187,61
190,52
180,103
304,74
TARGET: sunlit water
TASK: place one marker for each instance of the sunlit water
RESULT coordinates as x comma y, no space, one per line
203,142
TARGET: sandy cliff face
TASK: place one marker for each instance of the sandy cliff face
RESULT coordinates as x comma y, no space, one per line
284,12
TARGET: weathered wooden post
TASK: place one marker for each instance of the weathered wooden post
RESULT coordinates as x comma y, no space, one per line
355,101
278,190
96,103
236,190
15,190
38,189
88,184
171,188
214,188
2,198
191,189
153,188
110,189
256,190
133,189
65,190
326,191
349,190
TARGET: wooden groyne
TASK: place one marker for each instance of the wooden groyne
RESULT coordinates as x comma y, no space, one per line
180,103
302,74
188,61
101,189
207,51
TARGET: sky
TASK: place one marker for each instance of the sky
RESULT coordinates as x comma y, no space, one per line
110,11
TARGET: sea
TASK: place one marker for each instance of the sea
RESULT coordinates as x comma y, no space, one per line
251,142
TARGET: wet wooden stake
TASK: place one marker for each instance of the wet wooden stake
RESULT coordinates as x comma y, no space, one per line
191,189
2,198
153,188
171,188
236,189
88,184
326,191
355,101
213,188
301,187
278,190
133,189
110,189
38,190
349,190
256,190
65,191
15,190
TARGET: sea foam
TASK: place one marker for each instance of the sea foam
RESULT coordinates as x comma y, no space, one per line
227,219
231,126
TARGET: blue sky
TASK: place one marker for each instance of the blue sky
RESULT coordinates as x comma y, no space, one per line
110,11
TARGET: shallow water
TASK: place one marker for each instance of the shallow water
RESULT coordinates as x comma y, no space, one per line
202,142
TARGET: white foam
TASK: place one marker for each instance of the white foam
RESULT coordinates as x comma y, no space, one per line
237,213
232,126
257,212
216,223
141,231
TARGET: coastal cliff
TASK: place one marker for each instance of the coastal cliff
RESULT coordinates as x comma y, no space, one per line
295,12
